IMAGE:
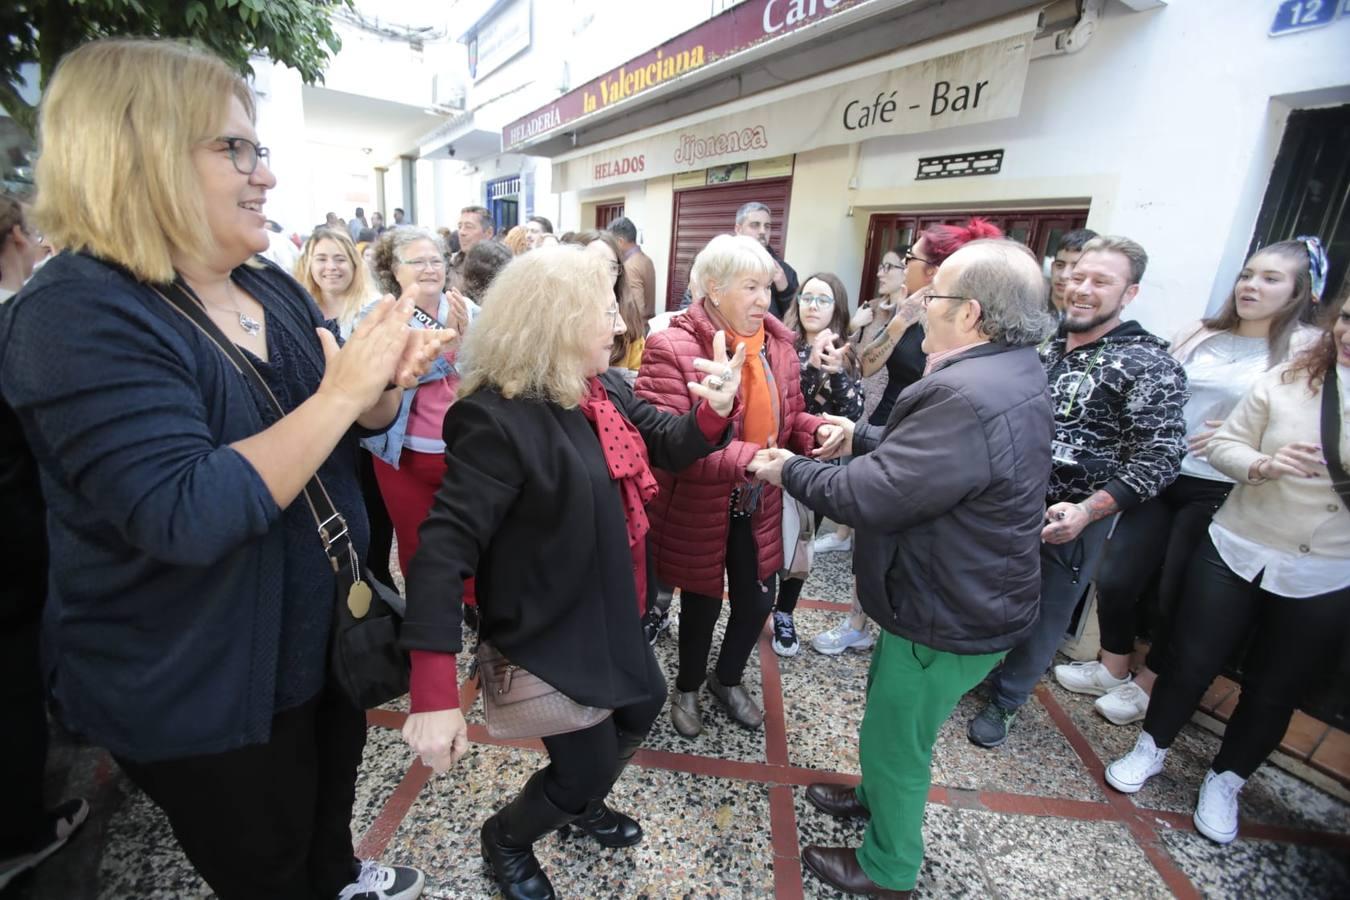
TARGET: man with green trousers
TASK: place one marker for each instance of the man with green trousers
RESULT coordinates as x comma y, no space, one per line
948,500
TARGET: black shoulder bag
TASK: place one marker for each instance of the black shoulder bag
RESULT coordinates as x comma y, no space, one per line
365,659
1331,436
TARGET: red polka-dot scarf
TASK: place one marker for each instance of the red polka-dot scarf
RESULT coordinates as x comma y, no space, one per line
626,457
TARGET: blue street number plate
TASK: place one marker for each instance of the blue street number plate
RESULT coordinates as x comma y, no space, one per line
1297,15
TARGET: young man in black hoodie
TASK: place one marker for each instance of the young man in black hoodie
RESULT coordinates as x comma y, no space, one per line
1119,440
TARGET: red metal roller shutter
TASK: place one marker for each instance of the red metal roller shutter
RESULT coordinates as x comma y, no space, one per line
703,213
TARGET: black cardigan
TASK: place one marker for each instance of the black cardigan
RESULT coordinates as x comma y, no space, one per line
528,507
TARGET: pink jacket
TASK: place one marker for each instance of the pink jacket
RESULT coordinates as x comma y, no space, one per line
691,515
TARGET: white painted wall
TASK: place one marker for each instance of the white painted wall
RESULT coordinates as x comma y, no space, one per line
1166,124
1168,120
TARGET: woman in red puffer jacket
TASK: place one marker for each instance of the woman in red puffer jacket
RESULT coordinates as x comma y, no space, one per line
710,517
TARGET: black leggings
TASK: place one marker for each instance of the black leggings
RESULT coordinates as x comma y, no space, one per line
1153,543
1294,641
751,600
583,765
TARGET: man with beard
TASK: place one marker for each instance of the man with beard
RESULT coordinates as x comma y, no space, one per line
754,220
1119,439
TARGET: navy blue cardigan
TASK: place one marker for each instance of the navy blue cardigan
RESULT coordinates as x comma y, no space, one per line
169,555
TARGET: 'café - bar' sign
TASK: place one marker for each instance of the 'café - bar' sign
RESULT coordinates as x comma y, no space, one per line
979,84
734,31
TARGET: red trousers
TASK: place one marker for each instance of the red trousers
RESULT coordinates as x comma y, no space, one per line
408,492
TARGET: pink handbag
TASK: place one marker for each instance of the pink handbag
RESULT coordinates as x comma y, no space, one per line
517,704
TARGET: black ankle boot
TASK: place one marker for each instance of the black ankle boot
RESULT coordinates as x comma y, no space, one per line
508,841
612,829
609,827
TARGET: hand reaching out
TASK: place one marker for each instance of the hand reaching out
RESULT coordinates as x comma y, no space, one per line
767,465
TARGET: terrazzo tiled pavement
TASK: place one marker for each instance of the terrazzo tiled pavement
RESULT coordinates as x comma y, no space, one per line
725,815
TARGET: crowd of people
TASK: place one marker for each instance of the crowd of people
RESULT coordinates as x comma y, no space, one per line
555,460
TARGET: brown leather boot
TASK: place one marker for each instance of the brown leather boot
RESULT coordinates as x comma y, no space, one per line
838,867
837,800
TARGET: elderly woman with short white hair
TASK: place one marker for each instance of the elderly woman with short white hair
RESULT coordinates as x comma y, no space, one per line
709,518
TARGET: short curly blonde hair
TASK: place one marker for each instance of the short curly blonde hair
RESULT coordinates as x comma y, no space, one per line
115,175
534,335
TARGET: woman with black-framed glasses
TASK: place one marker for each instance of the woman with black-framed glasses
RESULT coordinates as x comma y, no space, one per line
191,612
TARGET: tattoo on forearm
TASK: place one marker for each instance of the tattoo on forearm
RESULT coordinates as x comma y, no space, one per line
877,351
1099,506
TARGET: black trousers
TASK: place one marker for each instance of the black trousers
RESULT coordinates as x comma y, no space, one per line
23,749
269,820
1153,544
1294,640
751,600
583,765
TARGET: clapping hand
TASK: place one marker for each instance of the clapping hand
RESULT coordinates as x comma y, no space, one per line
1298,459
459,311
724,376
767,465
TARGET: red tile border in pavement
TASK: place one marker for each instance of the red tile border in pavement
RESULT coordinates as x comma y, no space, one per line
385,826
781,776
1141,829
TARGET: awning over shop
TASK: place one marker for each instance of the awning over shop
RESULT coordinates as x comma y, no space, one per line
752,47
461,139
974,76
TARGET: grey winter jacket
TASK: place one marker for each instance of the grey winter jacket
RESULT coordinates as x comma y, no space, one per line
948,499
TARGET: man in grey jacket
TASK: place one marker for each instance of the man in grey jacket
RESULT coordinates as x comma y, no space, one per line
948,499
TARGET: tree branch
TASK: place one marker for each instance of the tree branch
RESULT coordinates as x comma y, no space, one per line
23,113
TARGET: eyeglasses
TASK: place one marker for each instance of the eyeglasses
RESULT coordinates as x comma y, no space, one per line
886,268
245,154
910,256
613,313
426,262
816,301
929,298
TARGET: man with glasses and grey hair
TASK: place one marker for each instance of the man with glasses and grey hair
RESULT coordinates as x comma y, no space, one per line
948,499
755,220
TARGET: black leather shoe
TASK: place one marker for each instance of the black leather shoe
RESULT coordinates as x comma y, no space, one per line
507,841
837,800
739,704
610,828
838,867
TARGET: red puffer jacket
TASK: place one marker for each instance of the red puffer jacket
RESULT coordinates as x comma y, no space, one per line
691,514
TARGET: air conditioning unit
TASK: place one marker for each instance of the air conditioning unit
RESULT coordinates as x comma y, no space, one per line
447,93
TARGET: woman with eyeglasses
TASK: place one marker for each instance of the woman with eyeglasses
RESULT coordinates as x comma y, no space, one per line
832,386
190,611
410,456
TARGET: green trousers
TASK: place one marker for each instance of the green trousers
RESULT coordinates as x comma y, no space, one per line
911,690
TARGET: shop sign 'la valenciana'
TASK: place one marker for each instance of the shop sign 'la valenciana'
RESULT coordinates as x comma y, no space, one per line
979,84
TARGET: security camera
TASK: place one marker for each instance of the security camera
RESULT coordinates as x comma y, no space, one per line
450,152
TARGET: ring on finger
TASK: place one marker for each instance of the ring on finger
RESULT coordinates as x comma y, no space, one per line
715,382
726,374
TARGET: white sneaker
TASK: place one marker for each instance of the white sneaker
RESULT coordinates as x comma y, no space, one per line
1091,678
832,543
1127,703
840,638
1216,812
377,882
1129,773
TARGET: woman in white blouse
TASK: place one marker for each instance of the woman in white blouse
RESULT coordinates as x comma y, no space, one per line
1261,325
1276,564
